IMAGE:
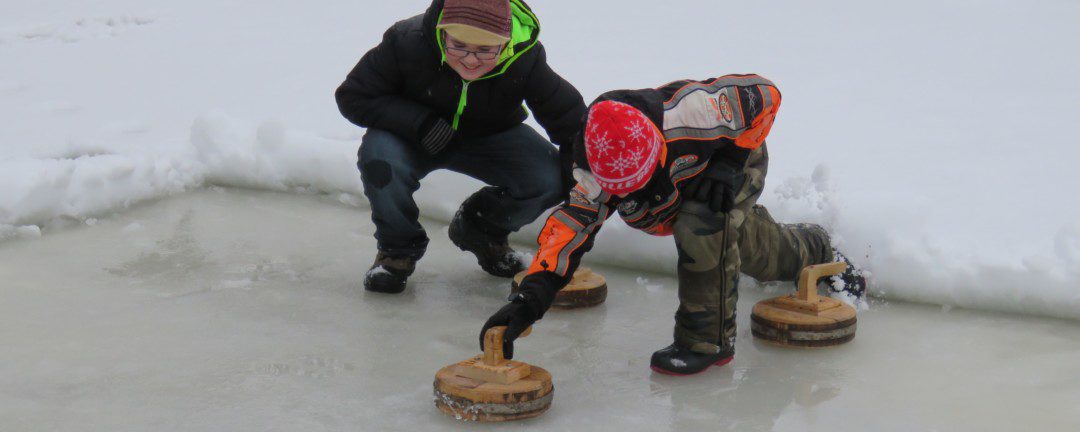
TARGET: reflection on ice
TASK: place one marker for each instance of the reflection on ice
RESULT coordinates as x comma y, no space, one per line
240,310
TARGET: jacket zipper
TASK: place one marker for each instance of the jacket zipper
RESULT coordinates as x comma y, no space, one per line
461,103
724,278
465,88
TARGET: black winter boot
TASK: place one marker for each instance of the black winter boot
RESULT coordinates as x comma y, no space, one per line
388,274
680,360
492,249
851,281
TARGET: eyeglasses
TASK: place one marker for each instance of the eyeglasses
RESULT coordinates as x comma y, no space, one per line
480,55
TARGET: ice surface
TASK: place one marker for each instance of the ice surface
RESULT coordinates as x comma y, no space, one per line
235,310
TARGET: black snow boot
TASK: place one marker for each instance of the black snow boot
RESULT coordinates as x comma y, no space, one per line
680,360
851,281
491,248
388,274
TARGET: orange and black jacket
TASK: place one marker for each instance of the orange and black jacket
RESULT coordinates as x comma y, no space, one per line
725,117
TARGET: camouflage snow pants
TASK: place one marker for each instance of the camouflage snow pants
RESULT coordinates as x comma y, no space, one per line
711,256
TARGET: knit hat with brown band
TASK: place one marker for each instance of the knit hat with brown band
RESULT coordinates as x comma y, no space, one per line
481,22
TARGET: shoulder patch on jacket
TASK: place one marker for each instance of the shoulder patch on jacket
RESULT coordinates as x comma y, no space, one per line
683,162
715,109
627,207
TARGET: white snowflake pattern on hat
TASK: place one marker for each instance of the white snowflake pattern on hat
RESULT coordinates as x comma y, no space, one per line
601,145
635,156
623,162
636,130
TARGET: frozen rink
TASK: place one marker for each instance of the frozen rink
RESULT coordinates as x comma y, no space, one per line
227,309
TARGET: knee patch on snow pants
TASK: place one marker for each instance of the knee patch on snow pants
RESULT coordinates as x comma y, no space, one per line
772,251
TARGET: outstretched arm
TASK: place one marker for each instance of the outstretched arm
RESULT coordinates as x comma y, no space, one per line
568,233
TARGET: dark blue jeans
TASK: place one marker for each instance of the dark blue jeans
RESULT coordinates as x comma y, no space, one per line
521,167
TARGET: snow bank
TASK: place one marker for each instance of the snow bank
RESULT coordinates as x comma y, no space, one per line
48,191
270,156
225,151
906,130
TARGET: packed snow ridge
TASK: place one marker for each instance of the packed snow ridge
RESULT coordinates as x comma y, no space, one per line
956,201
44,193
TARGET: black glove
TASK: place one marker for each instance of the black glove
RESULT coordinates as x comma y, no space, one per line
435,134
717,186
524,309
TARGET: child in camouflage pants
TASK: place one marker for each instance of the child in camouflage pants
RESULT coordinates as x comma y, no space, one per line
687,159
712,254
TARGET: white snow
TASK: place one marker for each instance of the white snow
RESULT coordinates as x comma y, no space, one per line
377,270
932,139
651,287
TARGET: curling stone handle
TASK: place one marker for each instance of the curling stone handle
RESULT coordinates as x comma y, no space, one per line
493,345
809,276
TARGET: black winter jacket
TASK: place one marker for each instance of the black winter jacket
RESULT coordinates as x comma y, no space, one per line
403,81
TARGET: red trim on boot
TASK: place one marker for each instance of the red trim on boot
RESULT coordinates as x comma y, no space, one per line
720,362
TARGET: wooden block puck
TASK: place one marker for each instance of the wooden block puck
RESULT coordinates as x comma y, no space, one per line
471,399
805,319
506,373
776,320
586,289
490,388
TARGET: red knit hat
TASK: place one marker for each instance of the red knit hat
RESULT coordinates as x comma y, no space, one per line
622,146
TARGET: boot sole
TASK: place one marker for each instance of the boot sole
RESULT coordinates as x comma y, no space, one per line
394,291
492,270
488,269
718,363
500,273
459,242
386,289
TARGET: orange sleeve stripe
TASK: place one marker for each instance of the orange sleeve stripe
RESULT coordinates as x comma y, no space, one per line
570,255
586,208
753,137
661,230
553,238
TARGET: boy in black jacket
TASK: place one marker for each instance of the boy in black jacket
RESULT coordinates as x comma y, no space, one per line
444,90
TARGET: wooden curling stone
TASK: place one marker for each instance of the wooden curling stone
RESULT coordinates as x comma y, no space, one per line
585,289
805,319
490,388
